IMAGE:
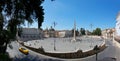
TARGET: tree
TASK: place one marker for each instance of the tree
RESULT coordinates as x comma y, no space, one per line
97,31
82,30
23,10
51,29
13,13
72,30
76,32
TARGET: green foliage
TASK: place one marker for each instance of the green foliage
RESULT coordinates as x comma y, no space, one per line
97,31
13,13
19,32
5,57
82,30
51,29
21,10
77,32
1,22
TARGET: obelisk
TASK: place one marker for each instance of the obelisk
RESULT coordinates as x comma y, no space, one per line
74,35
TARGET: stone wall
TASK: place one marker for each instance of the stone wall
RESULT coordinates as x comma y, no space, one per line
73,55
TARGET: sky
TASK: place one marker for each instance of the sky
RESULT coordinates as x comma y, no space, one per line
99,13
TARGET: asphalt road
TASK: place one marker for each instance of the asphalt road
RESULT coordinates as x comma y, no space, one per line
111,53
32,56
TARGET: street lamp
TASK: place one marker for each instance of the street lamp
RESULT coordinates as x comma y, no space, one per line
54,24
106,33
96,49
113,30
91,25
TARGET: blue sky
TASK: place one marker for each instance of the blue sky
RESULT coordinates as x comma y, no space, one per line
100,13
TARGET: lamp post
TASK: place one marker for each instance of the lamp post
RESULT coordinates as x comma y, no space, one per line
106,33
54,24
96,49
86,32
113,30
91,25
74,31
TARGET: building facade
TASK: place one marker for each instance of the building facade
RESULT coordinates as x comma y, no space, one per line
108,32
117,27
65,33
31,34
118,24
57,33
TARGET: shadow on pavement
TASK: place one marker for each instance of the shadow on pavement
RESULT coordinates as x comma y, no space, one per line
31,58
108,59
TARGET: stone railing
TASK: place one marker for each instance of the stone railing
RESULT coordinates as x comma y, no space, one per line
71,55
102,43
